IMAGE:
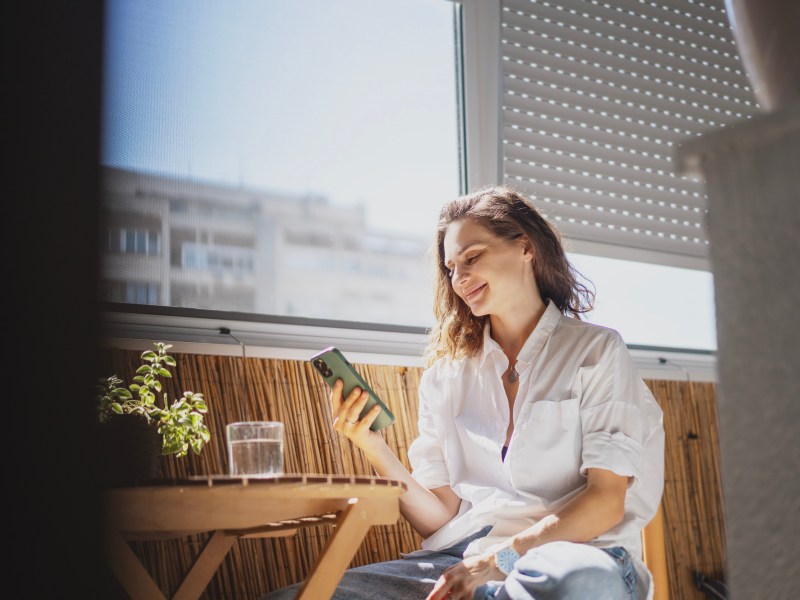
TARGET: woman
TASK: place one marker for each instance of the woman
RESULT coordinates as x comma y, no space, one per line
540,451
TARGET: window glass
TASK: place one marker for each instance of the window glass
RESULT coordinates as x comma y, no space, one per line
284,158
651,305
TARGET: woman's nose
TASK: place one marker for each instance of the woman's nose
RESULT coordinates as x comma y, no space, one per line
459,274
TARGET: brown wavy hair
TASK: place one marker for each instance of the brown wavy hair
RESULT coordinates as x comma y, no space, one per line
458,333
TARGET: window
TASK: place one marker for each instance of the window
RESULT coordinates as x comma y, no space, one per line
133,241
595,97
291,156
129,292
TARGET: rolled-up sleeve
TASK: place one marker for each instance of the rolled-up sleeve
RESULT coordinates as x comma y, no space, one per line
612,451
425,454
614,420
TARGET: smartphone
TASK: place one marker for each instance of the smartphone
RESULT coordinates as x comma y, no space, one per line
332,365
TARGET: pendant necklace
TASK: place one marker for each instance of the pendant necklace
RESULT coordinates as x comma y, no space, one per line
513,375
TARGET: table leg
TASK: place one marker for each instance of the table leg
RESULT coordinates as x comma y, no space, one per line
138,583
204,567
351,527
130,572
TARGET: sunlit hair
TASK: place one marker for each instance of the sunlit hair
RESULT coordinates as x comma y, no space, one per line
458,333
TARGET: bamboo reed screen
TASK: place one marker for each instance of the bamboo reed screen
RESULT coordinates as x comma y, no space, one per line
290,391
694,524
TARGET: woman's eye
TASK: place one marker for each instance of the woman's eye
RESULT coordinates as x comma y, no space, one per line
467,261
471,259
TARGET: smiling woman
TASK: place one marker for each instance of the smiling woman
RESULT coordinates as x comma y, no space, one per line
540,454
498,223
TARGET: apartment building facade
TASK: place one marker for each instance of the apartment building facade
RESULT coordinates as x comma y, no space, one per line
182,243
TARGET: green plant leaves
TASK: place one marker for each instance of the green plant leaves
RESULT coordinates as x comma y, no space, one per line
181,425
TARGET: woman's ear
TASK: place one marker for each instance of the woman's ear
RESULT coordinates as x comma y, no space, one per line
528,253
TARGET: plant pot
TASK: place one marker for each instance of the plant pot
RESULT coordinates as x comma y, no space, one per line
129,451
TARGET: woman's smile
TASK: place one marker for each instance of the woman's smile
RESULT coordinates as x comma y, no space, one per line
471,294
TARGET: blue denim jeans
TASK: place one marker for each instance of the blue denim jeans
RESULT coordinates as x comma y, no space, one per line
555,571
409,578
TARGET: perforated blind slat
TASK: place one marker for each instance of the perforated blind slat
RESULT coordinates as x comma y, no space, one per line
603,115
595,97
526,128
603,148
632,192
554,192
529,67
657,242
669,225
645,23
599,167
592,45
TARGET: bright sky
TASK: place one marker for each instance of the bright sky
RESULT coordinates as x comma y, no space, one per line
302,96
353,100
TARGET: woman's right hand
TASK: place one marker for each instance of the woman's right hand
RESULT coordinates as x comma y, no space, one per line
345,413
426,510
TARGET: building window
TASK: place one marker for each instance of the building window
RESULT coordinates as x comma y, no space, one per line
130,240
130,292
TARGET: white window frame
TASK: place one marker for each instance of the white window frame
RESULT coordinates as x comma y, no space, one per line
262,336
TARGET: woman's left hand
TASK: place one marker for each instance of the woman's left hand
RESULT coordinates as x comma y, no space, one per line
460,581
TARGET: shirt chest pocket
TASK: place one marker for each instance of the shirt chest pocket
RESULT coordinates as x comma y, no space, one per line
547,448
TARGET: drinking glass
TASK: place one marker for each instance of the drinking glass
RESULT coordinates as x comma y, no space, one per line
255,448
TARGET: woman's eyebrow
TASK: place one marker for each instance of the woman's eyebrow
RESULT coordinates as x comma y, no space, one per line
461,249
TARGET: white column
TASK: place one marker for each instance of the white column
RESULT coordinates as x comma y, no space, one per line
752,177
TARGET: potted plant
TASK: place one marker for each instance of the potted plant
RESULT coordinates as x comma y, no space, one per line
136,429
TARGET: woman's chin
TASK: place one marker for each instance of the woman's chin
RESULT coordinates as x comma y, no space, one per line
477,309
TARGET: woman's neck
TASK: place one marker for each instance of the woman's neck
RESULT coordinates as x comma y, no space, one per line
511,331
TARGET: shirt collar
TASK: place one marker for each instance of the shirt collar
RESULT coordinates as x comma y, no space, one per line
536,340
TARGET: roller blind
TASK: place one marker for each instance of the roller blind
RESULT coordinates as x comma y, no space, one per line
596,95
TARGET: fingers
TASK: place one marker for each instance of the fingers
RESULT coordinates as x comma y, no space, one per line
440,590
370,417
455,583
347,411
336,396
341,405
352,407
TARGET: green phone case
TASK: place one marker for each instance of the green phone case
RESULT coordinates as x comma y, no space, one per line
332,365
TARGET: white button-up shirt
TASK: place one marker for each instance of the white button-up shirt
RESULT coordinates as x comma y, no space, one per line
580,404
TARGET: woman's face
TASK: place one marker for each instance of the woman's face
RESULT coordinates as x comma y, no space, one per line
490,274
